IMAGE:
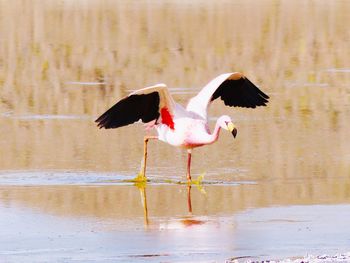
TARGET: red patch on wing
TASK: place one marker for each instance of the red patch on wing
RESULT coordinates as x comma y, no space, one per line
167,119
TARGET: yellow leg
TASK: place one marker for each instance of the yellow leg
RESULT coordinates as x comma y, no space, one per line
144,204
144,163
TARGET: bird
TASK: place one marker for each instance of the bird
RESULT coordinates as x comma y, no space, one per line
185,127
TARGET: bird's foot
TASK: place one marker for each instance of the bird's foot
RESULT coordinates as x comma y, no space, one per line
140,178
197,181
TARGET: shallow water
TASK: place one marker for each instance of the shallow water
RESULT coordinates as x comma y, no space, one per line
109,223
280,189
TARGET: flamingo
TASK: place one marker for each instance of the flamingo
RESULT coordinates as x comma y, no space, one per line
178,126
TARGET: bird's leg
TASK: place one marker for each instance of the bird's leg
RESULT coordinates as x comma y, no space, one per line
144,163
189,152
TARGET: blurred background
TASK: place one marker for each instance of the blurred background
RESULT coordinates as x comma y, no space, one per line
63,63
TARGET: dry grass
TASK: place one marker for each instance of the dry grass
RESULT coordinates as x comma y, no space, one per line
46,44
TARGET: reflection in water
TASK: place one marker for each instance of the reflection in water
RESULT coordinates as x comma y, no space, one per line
122,202
142,188
222,223
189,201
186,220
225,222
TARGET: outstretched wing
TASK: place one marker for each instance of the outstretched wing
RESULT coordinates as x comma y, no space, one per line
148,104
233,88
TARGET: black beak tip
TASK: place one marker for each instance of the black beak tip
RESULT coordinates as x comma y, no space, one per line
234,133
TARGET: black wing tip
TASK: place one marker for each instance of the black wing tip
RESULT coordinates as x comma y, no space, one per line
100,126
259,91
129,110
101,121
264,95
241,92
261,97
107,122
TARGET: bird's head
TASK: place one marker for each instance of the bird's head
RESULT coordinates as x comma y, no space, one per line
226,123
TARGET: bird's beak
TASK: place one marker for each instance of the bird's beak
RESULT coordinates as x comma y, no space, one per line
231,127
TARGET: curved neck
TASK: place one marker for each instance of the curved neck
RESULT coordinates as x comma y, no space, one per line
215,135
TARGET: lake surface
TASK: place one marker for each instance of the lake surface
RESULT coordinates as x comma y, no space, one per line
280,189
97,221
